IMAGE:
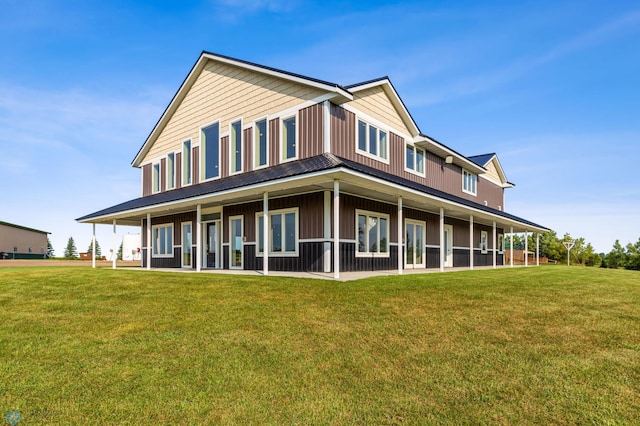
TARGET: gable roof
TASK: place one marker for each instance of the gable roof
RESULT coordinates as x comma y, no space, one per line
483,160
24,228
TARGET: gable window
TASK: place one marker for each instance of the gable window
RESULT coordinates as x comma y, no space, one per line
283,232
260,144
289,146
235,148
171,170
414,158
156,178
483,242
210,147
371,140
162,241
469,182
373,234
186,163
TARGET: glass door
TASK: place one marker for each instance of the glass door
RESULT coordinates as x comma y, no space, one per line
186,245
448,246
236,246
212,250
414,244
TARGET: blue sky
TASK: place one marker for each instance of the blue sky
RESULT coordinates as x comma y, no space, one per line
552,87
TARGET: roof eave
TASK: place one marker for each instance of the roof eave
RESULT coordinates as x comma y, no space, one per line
444,151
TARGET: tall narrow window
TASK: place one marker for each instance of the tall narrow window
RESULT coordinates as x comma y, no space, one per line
186,162
235,148
171,170
210,145
260,144
156,177
414,158
469,181
162,242
289,148
483,242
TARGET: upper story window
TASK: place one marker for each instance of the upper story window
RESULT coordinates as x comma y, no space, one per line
283,232
260,144
171,170
371,141
235,147
186,163
162,241
156,178
210,151
414,158
373,234
469,182
289,139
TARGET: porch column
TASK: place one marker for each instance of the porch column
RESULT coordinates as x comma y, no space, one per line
537,249
471,242
93,247
115,250
141,243
148,241
336,229
494,245
442,239
198,238
511,249
526,248
326,260
400,235
265,233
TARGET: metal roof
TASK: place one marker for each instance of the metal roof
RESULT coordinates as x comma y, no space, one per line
24,228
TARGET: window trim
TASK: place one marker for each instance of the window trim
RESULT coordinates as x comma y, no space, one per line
203,149
255,151
187,172
379,216
169,253
484,242
171,171
283,158
282,212
415,149
366,152
466,173
231,152
156,177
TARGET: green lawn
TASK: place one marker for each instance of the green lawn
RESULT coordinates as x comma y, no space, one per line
548,345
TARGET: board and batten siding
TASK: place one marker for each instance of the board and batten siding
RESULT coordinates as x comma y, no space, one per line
375,103
224,92
147,179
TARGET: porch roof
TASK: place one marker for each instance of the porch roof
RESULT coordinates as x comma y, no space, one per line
300,169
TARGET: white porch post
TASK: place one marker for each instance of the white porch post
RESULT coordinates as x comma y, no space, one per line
115,250
198,238
327,232
265,233
148,241
336,229
471,242
526,248
400,235
442,239
495,251
511,248
537,249
93,247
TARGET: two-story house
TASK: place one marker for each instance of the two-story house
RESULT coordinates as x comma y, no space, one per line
251,167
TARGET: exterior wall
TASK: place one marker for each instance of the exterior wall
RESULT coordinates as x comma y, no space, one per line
23,240
147,180
176,220
225,92
375,103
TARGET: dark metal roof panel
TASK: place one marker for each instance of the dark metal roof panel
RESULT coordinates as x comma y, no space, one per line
483,159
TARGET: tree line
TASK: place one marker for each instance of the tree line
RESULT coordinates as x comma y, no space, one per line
71,251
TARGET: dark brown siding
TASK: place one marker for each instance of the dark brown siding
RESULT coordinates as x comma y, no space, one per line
176,220
224,156
163,174
274,142
247,146
310,131
179,170
196,165
348,206
147,180
491,193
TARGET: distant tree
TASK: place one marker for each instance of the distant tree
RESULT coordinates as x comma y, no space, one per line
120,252
71,252
616,257
49,247
633,256
550,246
98,250
518,242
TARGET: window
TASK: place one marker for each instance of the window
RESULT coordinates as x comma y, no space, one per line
210,146
371,140
162,241
235,147
171,170
283,232
289,138
186,163
414,159
500,243
260,144
373,233
483,242
469,181
156,177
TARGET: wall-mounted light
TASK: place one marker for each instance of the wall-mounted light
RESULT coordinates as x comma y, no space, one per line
448,159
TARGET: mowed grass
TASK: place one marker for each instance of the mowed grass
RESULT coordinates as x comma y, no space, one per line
548,345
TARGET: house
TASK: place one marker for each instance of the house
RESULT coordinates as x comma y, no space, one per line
21,242
256,168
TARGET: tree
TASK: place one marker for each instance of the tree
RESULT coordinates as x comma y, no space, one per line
49,247
550,246
633,256
120,252
71,252
616,257
90,249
